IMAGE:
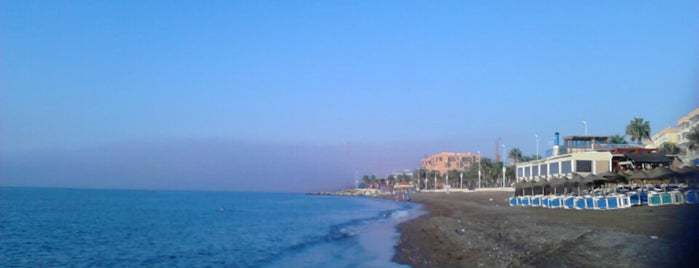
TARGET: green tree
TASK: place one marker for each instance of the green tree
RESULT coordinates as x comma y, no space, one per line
692,139
391,180
366,181
638,129
516,155
670,148
617,139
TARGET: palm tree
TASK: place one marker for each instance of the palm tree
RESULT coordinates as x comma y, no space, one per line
617,139
638,129
670,148
692,139
515,154
367,181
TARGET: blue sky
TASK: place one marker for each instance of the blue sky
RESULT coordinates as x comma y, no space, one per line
390,79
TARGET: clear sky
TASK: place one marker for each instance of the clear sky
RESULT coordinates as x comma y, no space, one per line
374,84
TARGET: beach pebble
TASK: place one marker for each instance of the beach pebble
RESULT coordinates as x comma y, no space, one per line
653,237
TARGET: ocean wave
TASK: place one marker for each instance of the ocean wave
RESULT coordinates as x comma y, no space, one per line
339,233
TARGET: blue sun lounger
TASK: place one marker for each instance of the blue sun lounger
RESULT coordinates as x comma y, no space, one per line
691,197
599,202
556,202
536,201
569,202
545,202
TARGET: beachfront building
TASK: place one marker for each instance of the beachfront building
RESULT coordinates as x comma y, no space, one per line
669,134
684,126
589,155
445,161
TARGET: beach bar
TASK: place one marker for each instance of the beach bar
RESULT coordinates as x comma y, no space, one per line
587,172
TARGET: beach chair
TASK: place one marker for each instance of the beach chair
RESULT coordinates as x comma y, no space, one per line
589,202
545,202
555,201
677,197
613,202
634,198
536,201
526,201
624,201
568,202
600,202
690,197
513,201
579,202
654,199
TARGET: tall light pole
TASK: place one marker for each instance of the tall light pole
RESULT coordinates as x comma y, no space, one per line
418,179
435,181
461,180
479,169
537,146
446,182
503,165
585,124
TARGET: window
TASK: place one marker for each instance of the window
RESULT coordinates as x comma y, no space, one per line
583,165
543,170
535,171
520,172
527,171
554,168
566,167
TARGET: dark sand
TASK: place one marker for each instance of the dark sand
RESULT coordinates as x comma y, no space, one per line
470,230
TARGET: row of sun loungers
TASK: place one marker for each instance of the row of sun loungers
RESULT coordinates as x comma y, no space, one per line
608,201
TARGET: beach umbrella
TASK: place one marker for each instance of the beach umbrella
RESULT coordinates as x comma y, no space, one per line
544,183
586,181
639,175
595,178
577,180
611,176
661,173
530,185
565,182
688,171
518,186
555,183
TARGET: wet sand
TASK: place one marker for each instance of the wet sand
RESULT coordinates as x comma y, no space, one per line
480,229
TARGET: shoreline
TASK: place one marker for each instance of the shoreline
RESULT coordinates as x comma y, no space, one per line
481,229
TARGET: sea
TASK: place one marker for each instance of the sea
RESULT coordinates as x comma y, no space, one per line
50,227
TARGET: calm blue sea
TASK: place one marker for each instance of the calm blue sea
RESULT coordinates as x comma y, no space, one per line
42,227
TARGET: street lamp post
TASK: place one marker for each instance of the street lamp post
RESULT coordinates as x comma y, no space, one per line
461,180
479,169
585,124
446,182
435,181
418,179
503,165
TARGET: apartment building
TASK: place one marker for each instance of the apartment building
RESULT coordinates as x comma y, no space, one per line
442,162
684,126
669,134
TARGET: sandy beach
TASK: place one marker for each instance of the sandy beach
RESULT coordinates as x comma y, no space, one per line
479,229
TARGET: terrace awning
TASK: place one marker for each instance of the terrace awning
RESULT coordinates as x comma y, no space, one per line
648,158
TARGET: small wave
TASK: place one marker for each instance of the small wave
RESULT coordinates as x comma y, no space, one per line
339,232
401,214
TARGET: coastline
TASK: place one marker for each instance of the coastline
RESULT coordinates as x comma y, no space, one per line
480,229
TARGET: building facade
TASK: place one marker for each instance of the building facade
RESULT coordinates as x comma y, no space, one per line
684,127
443,162
586,155
669,134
